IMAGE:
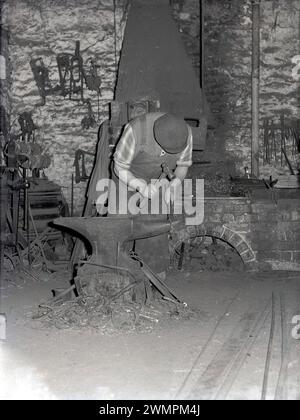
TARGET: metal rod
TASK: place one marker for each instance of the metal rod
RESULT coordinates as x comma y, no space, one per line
255,86
26,214
288,161
25,200
40,245
181,255
269,352
72,195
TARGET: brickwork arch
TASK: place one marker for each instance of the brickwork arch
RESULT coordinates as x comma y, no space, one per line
223,233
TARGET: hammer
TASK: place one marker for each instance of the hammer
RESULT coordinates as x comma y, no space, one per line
165,171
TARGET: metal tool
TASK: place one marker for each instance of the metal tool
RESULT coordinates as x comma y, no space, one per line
80,155
89,120
64,70
76,74
156,281
41,77
92,79
288,161
165,171
72,195
71,74
27,126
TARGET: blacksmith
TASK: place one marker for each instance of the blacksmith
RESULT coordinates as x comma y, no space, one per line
148,142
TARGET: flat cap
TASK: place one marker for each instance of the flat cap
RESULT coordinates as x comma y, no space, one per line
171,133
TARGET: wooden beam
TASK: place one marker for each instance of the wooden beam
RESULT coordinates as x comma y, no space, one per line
255,87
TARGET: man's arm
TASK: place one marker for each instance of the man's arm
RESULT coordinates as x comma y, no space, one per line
183,164
146,190
128,178
181,172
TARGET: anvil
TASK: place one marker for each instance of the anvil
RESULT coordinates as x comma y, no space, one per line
108,236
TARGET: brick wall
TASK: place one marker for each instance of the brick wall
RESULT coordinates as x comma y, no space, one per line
265,232
275,232
186,13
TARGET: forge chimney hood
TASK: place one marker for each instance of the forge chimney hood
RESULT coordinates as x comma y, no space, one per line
154,66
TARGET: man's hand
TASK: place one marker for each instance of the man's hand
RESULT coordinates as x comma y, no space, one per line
148,191
172,190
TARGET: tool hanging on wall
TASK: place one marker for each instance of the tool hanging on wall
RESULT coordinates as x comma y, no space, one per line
281,141
76,75
71,74
27,126
288,161
266,156
273,142
93,81
270,150
4,125
4,132
72,77
296,134
64,67
22,150
89,120
41,76
81,175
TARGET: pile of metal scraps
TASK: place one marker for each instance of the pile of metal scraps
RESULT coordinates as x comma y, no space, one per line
100,307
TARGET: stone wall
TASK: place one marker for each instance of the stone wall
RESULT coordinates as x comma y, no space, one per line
44,28
280,76
228,72
4,82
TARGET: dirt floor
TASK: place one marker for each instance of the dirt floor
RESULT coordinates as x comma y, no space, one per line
239,345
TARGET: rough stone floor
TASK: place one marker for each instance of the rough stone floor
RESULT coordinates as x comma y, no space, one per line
243,318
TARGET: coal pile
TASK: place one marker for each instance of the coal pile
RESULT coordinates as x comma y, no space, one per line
204,253
216,257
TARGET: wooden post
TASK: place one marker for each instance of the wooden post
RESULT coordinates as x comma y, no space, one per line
255,87
201,41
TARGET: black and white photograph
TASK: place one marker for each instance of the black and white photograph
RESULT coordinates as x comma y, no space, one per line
149,203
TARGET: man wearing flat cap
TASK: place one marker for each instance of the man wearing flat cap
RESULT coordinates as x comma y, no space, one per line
148,142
